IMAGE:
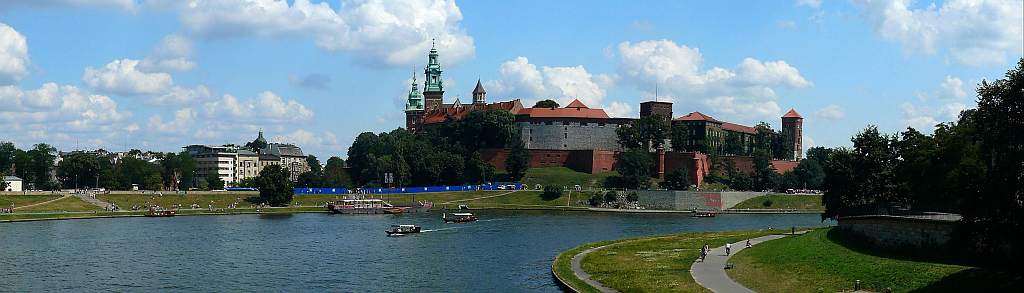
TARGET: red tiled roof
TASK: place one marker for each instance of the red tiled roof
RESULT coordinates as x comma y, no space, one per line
738,128
576,104
792,114
450,110
697,116
564,113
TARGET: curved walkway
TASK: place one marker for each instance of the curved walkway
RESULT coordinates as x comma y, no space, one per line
711,272
42,203
577,270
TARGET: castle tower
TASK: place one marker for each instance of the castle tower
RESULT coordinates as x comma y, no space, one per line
479,94
433,90
793,134
414,108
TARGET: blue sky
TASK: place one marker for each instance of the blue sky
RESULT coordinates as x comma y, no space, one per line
161,74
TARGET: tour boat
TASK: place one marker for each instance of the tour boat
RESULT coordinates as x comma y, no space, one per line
458,217
153,212
704,214
399,230
375,206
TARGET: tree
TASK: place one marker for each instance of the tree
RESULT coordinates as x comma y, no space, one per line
478,171
275,188
517,162
214,182
611,196
994,213
177,170
546,104
42,159
677,180
765,176
309,179
314,164
809,174
645,133
78,170
635,167
7,156
335,174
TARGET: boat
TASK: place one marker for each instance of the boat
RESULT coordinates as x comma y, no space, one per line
375,206
459,217
400,230
153,212
394,211
704,214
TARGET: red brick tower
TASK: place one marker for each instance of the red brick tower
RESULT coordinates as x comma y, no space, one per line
793,133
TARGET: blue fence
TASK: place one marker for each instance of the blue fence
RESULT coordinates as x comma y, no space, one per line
398,190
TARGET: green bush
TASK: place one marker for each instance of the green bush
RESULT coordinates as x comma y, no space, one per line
767,203
611,196
595,200
551,192
632,197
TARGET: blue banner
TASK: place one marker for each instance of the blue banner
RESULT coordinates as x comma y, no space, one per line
398,190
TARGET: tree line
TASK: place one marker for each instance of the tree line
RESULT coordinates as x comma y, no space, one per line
973,166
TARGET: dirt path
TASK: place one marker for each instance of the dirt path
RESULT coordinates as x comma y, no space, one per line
42,203
476,198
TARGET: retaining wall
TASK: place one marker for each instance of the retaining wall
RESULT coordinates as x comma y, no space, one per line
688,200
900,232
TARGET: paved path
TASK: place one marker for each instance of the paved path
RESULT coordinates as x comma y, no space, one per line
476,198
42,203
711,272
92,200
577,270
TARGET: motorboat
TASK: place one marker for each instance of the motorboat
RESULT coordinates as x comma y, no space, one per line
459,217
400,230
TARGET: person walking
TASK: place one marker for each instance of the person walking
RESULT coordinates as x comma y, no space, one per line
728,246
748,243
703,253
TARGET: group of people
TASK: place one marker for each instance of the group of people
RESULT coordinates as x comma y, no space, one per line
704,250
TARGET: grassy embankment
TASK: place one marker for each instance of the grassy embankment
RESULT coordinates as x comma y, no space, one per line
649,264
9,200
783,201
824,261
67,204
562,176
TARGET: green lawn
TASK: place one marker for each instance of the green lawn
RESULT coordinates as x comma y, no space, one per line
69,204
217,199
783,201
6,200
652,264
562,176
817,262
526,199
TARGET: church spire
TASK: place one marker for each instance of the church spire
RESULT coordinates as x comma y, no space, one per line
415,99
433,89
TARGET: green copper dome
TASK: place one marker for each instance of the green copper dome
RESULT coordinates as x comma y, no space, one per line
415,100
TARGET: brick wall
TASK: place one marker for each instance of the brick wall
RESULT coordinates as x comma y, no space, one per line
589,161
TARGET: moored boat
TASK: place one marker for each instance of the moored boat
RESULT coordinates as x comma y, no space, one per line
153,212
458,217
375,206
399,230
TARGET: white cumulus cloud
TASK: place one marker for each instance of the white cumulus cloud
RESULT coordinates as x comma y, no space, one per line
378,31
14,59
746,92
520,78
975,32
267,106
831,112
123,77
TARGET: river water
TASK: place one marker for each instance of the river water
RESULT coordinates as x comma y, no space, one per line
503,252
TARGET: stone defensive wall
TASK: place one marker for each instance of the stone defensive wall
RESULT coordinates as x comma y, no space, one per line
689,200
927,231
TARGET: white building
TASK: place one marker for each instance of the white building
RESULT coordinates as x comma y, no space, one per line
13,184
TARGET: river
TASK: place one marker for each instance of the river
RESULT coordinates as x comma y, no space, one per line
504,251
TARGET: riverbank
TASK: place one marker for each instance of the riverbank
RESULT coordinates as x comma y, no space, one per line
659,263
57,206
825,261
